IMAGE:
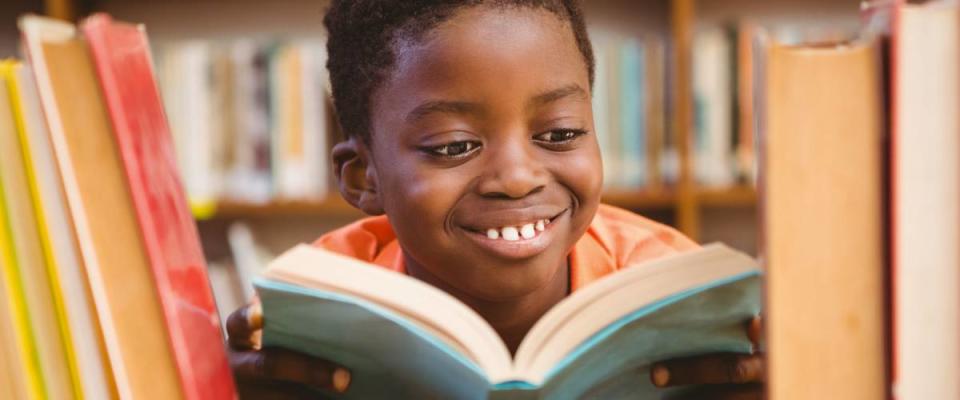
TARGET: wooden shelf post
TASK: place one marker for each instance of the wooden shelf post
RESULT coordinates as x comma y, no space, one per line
61,9
682,18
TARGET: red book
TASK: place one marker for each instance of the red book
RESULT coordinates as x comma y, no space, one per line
121,55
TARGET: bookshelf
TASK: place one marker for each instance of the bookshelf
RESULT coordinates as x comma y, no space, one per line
735,196
331,206
681,31
684,203
61,9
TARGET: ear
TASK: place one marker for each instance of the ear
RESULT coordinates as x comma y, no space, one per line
357,176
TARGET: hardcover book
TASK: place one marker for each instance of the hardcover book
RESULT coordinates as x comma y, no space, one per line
823,220
121,56
402,338
104,216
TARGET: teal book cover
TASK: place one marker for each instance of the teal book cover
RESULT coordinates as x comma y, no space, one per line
392,353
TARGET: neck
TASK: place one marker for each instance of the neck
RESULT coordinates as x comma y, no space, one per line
511,318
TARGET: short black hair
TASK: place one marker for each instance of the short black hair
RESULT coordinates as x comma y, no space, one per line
362,33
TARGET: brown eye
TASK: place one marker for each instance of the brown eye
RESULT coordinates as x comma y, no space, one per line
559,136
455,149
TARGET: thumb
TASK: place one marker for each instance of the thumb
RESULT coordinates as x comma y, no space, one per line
244,325
755,331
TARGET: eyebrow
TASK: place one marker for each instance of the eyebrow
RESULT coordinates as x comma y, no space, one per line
560,93
442,107
463,107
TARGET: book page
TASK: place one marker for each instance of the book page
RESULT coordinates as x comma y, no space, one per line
430,308
603,303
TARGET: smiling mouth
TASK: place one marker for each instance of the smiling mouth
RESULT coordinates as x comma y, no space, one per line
525,230
519,240
517,232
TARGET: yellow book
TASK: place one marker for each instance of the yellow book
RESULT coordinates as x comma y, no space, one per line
83,344
17,334
12,382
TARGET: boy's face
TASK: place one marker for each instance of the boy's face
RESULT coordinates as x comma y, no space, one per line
484,153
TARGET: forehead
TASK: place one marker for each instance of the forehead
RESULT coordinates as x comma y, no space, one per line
485,51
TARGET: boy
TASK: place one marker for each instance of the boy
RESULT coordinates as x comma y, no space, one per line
470,127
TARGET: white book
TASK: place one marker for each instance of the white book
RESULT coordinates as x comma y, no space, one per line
32,270
926,201
248,179
713,91
59,241
316,146
300,135
187,90
604,117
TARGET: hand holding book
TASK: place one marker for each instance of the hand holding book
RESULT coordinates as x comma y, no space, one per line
271,372
726,376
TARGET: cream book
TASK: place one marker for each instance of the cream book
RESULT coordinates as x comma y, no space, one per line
403,338
925,200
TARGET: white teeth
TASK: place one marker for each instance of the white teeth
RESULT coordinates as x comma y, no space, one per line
513,233
527,231
510,234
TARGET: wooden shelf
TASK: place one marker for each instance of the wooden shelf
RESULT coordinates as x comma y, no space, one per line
61,9
641,200
329,207
737,196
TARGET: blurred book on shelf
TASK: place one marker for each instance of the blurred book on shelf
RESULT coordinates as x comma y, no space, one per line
249,118
725,95
629,111
249,257
232,277
713,95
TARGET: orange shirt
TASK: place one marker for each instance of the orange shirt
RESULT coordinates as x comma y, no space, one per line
615,239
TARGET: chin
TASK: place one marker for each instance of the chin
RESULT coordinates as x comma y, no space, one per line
506,282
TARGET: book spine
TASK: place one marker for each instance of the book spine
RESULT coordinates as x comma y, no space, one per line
823,226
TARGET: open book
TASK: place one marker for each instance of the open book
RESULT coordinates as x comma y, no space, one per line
403,338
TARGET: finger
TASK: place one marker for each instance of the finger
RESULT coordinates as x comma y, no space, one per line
285,365
710,369
750,391
278,390
755,331
265,390
244,325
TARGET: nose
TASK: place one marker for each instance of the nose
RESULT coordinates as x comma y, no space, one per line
512,171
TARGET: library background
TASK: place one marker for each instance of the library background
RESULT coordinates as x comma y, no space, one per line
686,91
252,162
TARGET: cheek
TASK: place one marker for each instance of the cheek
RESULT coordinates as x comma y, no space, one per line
420,198
582,173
